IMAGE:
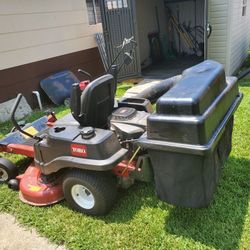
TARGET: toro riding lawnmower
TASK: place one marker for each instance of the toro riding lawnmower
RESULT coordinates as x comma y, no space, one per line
85,156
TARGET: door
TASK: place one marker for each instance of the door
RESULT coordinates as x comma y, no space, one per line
119,22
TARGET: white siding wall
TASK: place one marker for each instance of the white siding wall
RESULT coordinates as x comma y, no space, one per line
217,43
248,12
32,30
239,36
229,41
248,9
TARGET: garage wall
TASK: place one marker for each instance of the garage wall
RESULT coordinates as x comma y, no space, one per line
239,36
147,23
35,30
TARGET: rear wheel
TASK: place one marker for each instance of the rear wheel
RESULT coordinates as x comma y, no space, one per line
92,193
8,170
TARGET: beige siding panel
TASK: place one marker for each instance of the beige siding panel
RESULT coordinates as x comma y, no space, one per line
219,44
218,8
248,8
8,42
25,22
221,57
218,37
219,26
218,51
218,2
35,30
222,14
218,18
239,42
22,56
9,7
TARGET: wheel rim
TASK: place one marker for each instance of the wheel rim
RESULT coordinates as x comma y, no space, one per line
82,196
3,175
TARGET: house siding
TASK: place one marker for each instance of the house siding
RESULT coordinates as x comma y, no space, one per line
25,78
239,42
229,41
31,31
39,38
217,43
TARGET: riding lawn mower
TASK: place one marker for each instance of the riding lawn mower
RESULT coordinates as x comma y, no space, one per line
102,145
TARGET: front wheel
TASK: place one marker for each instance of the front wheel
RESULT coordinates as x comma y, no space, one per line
8,170
92,193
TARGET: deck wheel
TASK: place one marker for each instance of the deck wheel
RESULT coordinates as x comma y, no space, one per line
8,170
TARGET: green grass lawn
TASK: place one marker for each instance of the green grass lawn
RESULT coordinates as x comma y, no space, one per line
140,221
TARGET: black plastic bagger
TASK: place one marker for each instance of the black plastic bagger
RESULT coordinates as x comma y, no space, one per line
189,136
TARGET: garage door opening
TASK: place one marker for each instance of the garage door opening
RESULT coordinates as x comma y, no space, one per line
170,35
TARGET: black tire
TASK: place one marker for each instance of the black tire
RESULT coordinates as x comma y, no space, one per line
100,187
13,184
8,170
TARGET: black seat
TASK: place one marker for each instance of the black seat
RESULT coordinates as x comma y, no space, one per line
93,106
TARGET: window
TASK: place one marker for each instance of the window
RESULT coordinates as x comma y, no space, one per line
116,4
244,8
94,11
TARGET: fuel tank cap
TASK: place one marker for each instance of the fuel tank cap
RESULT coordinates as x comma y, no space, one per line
87,133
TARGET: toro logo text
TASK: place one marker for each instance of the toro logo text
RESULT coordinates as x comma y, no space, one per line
78,150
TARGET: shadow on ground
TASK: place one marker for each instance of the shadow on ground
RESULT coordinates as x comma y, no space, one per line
221,225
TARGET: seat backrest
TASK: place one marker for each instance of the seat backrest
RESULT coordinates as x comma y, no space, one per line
96,102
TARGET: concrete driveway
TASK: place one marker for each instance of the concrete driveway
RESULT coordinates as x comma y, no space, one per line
13,236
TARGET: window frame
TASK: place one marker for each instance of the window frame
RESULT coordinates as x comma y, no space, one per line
95,17
116,4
